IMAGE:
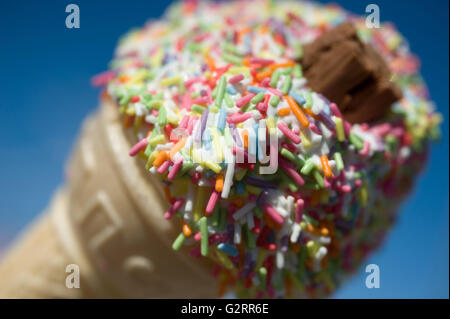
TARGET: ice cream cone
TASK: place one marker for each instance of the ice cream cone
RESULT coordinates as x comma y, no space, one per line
108,220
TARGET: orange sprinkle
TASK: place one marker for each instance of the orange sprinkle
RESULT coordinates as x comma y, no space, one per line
284,111
160,158
211,63
324,231
246,61
282,65
311,113
222,288
310,228
245,137
301,117
167,193
177,147
186,230
124,78
219,182
149,133
264,74
326,166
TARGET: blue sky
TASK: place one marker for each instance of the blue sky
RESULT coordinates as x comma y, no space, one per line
45,94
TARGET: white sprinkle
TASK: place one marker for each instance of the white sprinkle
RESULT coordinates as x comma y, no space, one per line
243,210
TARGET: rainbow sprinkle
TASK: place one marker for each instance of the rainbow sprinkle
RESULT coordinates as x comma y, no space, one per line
199,86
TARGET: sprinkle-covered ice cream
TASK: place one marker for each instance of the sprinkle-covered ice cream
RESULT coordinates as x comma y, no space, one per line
266,176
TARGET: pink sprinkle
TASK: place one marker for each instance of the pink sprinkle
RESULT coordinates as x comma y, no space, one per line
197,236
273,214
265,82
346,188
275,91
260,61
244,100
366,149
347,127
261,107
381,129
236,79
299,210
174,208
291,147
291,172
184,122
191,125
189,82
238,117
212,203
102,78
288,133
358,182
139,146
335,110
200,100
163,167
175,168
326,183
315,129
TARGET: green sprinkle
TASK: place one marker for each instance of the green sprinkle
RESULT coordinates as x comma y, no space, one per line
253,189
215,217
224,259
162,117
178,241
155,104
318,177
262,272
307,168
275,78
356,141
250,238
339,162
258,212
297,71
231,58
274,100
295,159
223,219
204,232
228,101
311,248
231,48
186,167
309,100
197,108
221,91
286,85
257,98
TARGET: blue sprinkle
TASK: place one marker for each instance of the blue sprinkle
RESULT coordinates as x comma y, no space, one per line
228,249
231,90
254,89
222,119
206,139
297,97
240,188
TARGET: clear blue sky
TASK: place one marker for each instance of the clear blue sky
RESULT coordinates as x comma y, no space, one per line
45,94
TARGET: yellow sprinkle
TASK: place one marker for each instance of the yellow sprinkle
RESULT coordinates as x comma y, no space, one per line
340,134
305,140
213,166
217,144
170,81
270,122
156,140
